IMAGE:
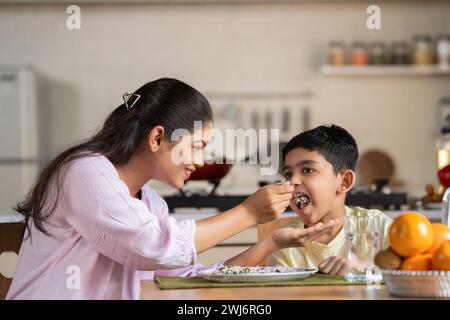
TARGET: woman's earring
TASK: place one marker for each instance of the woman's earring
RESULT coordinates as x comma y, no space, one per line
126,98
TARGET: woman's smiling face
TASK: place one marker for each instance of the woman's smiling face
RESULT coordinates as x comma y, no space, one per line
312,176
179,160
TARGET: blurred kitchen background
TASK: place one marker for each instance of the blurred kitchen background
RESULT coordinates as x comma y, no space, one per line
287,65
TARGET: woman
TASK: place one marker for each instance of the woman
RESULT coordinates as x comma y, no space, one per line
95,229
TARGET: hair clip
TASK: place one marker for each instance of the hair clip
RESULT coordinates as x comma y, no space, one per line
127,96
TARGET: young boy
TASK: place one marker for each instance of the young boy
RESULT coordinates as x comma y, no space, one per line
320,164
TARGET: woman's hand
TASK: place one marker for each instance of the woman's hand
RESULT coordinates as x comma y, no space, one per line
269,202
335,266
294,237
264,205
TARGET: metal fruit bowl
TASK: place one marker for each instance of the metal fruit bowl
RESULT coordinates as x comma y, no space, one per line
418,284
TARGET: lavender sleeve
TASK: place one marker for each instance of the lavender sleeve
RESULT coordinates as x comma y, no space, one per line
99,207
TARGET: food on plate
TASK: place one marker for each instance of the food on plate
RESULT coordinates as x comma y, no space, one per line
250,270
255,274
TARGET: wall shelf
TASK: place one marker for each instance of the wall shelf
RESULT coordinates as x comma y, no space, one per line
386,70
166,2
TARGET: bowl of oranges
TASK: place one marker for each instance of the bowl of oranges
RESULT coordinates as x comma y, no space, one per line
417,262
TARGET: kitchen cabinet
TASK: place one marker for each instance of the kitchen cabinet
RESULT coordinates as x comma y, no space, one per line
229,247
220,253
10,240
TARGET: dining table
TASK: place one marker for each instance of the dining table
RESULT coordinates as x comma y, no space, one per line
151,291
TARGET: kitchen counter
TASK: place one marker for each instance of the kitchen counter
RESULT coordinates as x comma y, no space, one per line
150,291
10,218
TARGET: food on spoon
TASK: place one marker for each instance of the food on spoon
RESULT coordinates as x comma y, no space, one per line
301,200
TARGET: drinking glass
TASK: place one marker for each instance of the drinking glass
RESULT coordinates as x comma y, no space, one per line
362,244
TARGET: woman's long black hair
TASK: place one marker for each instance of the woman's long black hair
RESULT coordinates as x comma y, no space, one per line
167,102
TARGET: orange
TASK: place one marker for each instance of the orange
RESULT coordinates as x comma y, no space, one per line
441,233
418,262
410,234
441,257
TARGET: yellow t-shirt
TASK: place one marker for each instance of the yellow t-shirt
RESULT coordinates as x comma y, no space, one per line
314,253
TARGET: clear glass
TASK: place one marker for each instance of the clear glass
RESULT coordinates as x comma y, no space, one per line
362,244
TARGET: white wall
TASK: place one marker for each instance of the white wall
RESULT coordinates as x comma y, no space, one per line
261,48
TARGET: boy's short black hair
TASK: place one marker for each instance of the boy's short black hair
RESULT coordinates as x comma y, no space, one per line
334,143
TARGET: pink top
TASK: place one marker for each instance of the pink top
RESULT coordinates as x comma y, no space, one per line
102,241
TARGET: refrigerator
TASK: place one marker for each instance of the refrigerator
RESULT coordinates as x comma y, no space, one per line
19,149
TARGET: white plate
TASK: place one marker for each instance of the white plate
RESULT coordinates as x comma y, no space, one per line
266,274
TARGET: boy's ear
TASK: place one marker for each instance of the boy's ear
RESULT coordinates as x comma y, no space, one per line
347,182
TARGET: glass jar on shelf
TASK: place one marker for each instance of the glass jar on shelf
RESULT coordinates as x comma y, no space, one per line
378,53
400,53
443,50
423,50
359,54
336,56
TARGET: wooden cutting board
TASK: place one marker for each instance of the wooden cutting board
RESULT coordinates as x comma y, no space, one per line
375,165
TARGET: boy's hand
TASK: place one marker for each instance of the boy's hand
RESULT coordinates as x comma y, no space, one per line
335,266
269,202
293,237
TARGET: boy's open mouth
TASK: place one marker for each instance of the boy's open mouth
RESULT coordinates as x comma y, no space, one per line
301,200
